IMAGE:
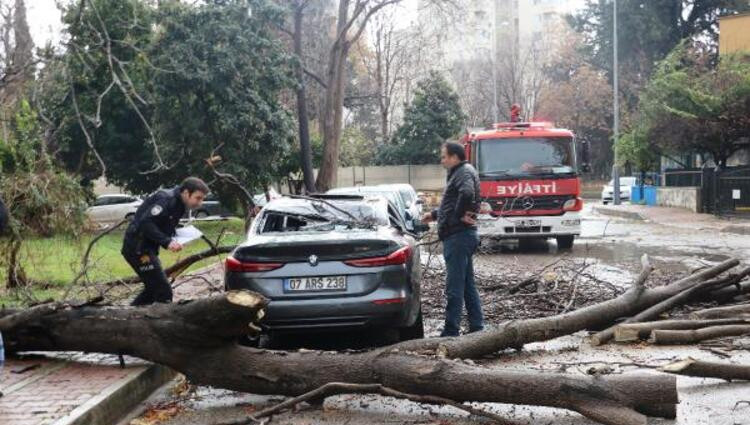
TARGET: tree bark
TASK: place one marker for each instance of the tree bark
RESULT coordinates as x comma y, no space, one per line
197,338
732,311
637,331
654,311
701,369
334,102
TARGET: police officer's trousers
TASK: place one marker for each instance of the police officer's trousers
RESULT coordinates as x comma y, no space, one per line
156,285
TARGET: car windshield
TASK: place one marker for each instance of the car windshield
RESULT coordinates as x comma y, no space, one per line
324,216
526,156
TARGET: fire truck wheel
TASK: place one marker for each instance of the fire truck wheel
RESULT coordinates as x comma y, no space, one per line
565,242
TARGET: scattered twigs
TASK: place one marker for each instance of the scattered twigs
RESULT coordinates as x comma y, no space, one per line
335,388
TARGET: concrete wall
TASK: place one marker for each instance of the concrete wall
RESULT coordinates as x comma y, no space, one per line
422,177
681,197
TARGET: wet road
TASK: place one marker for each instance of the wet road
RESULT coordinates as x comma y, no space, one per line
615,246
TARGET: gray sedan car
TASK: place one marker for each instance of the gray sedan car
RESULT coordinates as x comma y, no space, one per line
332,262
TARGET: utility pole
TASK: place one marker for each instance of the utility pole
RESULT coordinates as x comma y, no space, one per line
615,169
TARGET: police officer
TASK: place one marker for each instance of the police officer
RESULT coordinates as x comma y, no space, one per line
153,226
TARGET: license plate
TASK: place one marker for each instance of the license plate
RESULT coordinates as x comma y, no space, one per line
528,223
315,284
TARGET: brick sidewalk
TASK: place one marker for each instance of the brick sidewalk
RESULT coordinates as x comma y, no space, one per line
59,388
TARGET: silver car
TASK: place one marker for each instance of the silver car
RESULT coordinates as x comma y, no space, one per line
331,262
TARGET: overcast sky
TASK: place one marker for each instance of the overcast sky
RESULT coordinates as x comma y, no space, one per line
44,18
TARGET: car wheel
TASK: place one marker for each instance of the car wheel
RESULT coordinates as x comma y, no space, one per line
565,242
605,202
201,214
415,331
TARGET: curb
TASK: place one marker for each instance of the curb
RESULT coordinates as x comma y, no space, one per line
630,215
119,398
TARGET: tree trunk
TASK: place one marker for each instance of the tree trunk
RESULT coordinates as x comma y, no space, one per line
334,102
197,338
304,124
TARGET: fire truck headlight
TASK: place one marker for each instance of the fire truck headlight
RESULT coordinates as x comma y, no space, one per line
576,222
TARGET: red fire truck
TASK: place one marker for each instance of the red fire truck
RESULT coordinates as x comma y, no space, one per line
530,177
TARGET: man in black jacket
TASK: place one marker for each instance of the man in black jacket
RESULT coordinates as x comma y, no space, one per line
153,226
456,225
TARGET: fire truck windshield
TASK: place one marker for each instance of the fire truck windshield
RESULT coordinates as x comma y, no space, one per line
525,156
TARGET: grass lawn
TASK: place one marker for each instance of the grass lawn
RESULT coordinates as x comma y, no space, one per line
57,260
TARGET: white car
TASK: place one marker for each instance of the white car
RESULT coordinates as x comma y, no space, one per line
111,208
626,184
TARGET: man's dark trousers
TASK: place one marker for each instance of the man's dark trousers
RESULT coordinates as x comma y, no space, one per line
458,252
156,285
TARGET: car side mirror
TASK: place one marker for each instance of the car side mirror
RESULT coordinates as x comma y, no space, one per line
420,202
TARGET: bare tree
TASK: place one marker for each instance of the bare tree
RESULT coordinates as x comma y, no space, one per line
351,21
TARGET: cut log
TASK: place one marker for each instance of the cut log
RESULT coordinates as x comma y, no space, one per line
732,311
678,299
701,369
667,337
637,331
197,338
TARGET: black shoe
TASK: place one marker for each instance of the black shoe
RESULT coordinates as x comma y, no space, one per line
444,334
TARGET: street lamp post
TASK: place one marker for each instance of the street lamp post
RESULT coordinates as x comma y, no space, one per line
616,100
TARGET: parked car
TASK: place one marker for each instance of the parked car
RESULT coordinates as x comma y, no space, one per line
392,195
409,196
109,208
211,207
336,262
626,183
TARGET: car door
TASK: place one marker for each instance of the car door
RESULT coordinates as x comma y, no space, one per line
98,211
118,208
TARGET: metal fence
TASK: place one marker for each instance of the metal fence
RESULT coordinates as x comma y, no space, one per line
686,177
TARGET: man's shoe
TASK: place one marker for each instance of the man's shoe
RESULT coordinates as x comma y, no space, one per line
444,334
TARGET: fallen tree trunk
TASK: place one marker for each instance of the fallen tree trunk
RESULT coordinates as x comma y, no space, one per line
667,337
732,311
701,369
637,331
654,311
198,337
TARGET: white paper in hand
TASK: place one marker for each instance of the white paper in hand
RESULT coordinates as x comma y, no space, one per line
187,234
